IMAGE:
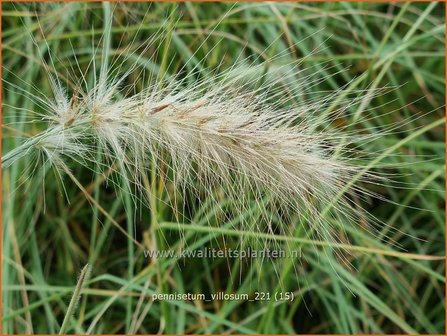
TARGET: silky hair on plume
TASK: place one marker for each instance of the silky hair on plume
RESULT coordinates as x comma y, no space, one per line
242,134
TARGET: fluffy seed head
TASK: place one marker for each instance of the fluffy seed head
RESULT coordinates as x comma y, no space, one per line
243,132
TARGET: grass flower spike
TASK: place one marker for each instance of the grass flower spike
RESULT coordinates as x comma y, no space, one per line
234,168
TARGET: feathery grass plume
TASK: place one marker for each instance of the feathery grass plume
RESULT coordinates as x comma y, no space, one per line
243,131
223,145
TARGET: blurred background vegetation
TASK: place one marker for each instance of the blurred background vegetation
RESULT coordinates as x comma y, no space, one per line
48,239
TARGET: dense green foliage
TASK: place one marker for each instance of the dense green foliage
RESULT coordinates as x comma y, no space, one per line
51,230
